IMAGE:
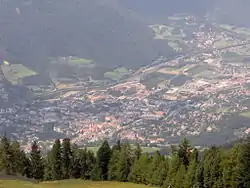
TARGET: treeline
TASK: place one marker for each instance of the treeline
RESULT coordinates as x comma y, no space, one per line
185,167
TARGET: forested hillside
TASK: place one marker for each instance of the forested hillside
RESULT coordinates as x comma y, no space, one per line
185,166
158,11
31,31
110,32
232,12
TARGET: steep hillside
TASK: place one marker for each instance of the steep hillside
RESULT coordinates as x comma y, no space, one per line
158,11
232,12
33,30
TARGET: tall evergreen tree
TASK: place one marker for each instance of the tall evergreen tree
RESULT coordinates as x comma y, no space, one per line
190,175
47,168
7,163
103,157
212,168
20,160
140,170
158,169
113,165
76,168
199,176
124,162
56,161
117,146
184,152
138,151
66,159
36,162
243,164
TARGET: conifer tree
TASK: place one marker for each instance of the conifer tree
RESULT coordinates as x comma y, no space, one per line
47,168
76,166
199,176
20,160
36,162
243,164
212,168
90,163
190,175
140,170
103,157
174,166
138,151
56,161
154,169
124,162
117,146
66,159
183,152
7,163
113,165
179,177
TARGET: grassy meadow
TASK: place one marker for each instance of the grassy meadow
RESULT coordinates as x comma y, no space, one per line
67,184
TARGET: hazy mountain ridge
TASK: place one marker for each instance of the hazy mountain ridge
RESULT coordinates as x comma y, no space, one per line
80,28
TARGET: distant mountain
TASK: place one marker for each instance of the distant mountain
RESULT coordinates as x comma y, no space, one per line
102,30
159,10
110,32
232,12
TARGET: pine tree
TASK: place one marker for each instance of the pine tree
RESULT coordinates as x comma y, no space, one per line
154,169
36,162
20,161
103,157
140,170
124,162
174,166
66,159
158,169
243,164
212,168
7,163
47,169
25,163
86,161
179,177
90,163
199,176
117,146
56,161
184,152
113,165
190,175
76,168
138,151
96,173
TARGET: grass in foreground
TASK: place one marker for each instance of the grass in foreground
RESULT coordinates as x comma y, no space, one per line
67,184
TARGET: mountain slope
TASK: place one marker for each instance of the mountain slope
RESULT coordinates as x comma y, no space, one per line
33,30
232,12
158,11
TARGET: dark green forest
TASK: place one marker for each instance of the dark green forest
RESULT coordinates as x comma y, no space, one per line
185,167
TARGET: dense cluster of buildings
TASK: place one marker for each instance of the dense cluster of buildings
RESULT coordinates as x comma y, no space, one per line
130,111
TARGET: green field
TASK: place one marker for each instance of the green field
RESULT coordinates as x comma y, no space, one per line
81,61
116,74
17,71
245,114
67,184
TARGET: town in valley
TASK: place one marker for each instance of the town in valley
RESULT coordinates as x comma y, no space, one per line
202,92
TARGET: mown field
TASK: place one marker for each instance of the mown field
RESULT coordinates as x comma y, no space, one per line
67,184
